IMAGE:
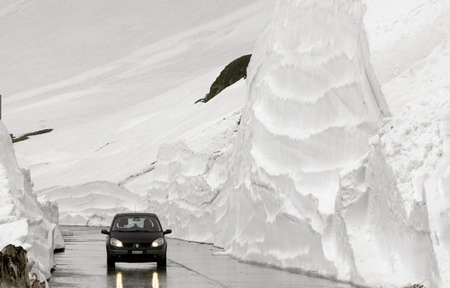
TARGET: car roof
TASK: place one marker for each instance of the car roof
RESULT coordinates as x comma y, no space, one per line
135,214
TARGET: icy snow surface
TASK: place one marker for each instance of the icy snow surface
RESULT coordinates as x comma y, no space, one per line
23,220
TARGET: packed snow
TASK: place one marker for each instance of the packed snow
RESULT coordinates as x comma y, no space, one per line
332,158
340,189
23,220
90,204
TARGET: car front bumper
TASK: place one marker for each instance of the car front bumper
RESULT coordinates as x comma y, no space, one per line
136,255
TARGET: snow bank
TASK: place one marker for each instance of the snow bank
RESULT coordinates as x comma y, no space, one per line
397,198
437,192
92,204
415,140
283,177
191,162
318,179
384,240
187,176
313,105
23,220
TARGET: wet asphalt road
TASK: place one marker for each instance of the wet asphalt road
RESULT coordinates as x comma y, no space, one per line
83,264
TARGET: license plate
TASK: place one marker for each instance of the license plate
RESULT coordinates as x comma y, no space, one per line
137,252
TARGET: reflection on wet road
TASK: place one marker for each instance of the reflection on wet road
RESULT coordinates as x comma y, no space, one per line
83,264
126,278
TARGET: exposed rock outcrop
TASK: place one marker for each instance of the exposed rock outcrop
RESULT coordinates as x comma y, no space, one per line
14,269
232,73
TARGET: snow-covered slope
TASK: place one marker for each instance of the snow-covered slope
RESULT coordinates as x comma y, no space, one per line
114,79
23,220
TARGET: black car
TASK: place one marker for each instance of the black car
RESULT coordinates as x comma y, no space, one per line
136,237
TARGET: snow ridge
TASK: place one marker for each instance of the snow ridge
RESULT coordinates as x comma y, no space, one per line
23,220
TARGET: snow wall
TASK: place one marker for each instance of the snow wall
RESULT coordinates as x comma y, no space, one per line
23,220
90,204
318,179
313,104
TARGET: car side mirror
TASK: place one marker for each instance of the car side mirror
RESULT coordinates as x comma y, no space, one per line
168,231
104,231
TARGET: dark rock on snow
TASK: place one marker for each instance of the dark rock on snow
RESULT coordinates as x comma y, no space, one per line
14,269
232,73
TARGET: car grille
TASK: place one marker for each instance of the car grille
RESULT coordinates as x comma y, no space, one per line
141,245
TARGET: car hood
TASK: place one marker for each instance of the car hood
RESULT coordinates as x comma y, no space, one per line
136,237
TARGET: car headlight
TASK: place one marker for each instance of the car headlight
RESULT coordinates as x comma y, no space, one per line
116,242
158,242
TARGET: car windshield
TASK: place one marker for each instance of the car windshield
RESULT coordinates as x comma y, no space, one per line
136,224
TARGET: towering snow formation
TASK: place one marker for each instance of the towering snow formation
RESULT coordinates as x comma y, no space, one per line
312,181
313,101
313,104
23,220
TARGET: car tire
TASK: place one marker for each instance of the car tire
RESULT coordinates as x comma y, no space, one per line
162,262
110,262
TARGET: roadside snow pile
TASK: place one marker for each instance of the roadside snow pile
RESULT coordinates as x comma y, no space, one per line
401,186
312,107
23,220
91,204
319,179
198,154
437,191
185,182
